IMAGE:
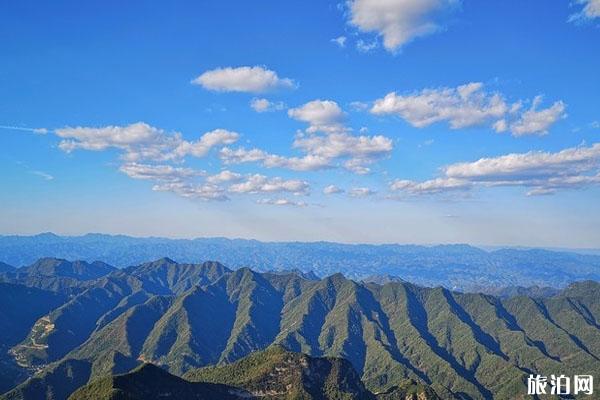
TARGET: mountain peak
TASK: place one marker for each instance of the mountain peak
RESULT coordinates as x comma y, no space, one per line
58,267
6,268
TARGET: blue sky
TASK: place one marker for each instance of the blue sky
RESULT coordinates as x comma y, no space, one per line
437,121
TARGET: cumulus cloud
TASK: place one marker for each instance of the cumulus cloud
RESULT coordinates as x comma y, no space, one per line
432,186
340,41
359,106
141,141
332,189
224,176
534,121
361,192
326,143
257,183
282,202
468,106
364,46
321,153
241,155
321,116
243,79
398,21
193,191
261,105
539,172
590,11
343,145
166,173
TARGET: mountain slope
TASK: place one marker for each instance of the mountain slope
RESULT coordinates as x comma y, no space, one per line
274,374
281,374
20,307
149,382
79,270
69,277
459,267
460,344
6,268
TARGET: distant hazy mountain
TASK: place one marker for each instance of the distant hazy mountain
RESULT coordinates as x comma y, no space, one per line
80,270
459,267
57,274
310,275
6,268
514,291
183,317
382,279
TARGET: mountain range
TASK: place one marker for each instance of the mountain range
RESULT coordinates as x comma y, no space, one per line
457,267
185,318
274,373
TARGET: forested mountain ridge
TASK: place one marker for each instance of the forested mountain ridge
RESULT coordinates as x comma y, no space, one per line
274,374
182,317
457,267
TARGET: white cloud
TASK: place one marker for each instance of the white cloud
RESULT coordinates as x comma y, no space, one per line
242,79
427,142
432,186
344,145
165,173
361,192
321,115
203,192
358,165
306,163
540,172
321,153
332,189
261,184
326,141
44,175
468,106
207,141
141,141
464,106
590,11
537,122
365,47
224,176
282,202
263,105
398,21
340,41
359,106
39,131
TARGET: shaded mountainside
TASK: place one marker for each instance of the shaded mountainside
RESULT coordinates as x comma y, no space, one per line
274,374
382,279
6,268
149,382
57,274
185,317
20,308
80,270
281,374
458,267
515,291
